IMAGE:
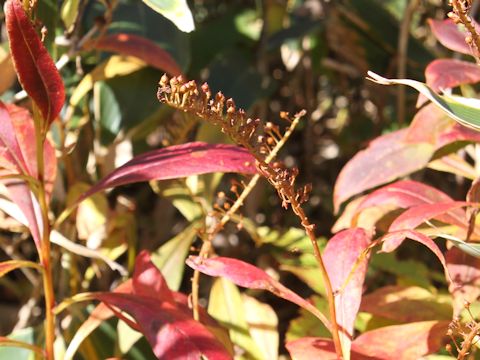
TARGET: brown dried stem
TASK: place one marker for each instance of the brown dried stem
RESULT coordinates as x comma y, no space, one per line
260,142
460,16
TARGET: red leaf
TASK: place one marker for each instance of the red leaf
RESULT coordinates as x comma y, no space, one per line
465,272
444,74
404,194
171,333
386,158
144,49
309,348
18,157
417,215
450,36
393,240
35,68
147,280
401,342
251,277
160,314
431,125
178,161
340,255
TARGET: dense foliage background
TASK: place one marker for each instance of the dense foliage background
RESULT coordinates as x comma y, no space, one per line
269,56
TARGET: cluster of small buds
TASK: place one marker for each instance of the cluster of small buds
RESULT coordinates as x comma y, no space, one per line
459,15
258,139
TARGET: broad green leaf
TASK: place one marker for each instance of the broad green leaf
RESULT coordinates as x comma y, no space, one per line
263,323
226,306
176,11
106,108
127,337
112,67
464,110
170,257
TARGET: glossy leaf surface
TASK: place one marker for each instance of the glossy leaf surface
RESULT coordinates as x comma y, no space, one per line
177,162
35,68
176,11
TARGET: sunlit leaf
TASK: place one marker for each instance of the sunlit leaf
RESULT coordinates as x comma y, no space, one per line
262,322
69,12
406,304
176,11
140,47
445,74
340,256
170,257
115,65
250,276
225,305
464,110
35,68
386,158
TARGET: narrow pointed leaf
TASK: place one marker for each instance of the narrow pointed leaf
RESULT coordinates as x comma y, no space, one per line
140,47
466,111
176,162
35,68
10,265
251,277
340,256
417,215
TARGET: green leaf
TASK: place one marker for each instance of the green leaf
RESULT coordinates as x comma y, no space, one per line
226,307
170,257
11,352
466,111
472,249
176,11
69,12
106,109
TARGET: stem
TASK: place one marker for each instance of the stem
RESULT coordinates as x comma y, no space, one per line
326,279
40,134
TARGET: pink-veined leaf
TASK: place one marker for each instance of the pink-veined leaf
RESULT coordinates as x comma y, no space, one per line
144,49
251,277
340,255
444,74
393,240
161,315
450,36
18,157
35,68
401,342
176,162
417,215
465,272
386,159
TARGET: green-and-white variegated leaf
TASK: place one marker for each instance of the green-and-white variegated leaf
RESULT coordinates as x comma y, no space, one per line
472,249
466,111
